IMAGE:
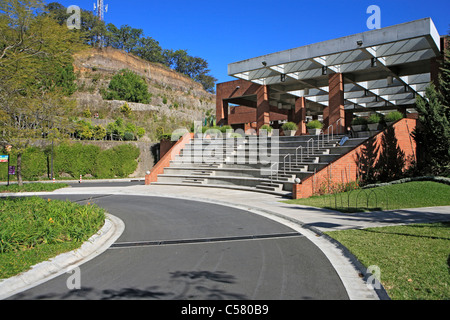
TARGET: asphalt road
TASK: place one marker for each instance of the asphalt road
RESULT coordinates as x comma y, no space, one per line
178,249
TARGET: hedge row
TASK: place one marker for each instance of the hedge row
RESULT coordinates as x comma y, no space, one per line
74,160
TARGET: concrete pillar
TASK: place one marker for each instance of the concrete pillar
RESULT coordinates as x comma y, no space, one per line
262,106
335,109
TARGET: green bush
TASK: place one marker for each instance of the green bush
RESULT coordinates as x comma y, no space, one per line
314,124
224,129
374,118
74,160
393,116
128,86
267,128
289,126
129,136
359,121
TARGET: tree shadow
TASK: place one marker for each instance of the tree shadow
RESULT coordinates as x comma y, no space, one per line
182,285
381,162
205,285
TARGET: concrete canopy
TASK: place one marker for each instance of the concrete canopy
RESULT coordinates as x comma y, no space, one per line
382,69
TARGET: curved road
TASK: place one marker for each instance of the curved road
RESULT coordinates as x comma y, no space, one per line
178,249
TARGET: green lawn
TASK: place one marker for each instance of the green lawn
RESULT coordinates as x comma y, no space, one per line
398,196
33,230
32,187
414,260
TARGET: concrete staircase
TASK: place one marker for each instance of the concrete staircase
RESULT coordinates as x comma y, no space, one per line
246,163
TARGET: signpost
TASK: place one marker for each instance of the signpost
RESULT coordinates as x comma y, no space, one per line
5,159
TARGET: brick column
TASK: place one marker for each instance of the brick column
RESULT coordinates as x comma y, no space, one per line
221,112
298,115
335,109
262,106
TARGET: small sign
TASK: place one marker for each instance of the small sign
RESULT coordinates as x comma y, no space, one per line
12,170
4,158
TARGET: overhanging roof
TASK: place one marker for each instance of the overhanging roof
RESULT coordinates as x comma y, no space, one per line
382,68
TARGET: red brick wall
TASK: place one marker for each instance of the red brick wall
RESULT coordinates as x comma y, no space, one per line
345,169
164,146
164,162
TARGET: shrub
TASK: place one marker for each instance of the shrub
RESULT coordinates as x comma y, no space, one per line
267,128
128,86
125,109
393,116
359,121
374,118
224,129
289,126
129,136
77,159
314,124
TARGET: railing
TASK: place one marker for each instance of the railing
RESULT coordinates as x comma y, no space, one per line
301,154
271,171
332,130
308,148
284,163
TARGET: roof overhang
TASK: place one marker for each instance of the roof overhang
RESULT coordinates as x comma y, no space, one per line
383,68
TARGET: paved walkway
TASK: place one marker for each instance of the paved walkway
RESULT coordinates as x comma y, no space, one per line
321,219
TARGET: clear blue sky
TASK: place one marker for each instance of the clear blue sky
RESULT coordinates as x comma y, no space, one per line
227,31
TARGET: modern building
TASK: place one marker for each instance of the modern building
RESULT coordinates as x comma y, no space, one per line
333,81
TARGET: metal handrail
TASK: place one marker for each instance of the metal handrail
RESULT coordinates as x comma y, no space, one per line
284,163
312,146
301,154
271,172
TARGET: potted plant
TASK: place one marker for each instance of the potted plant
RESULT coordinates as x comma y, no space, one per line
359,124
226,131
289,128
373,121
392,117
268,129
314,127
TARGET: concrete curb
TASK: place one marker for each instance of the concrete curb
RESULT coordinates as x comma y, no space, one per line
45,271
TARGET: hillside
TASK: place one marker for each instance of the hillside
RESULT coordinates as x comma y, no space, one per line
176,99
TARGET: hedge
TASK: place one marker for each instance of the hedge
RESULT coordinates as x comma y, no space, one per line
74,160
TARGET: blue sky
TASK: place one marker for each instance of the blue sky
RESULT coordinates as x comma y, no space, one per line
227,31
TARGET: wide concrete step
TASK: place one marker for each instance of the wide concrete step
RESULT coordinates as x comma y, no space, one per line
226,180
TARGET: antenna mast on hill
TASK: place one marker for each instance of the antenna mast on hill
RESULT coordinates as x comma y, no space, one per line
100,9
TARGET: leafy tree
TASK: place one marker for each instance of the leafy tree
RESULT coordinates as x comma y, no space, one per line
149,49
35,52
432,135
128,86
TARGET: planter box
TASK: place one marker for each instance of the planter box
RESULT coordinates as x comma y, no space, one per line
290,133
359,127
373,126
314,132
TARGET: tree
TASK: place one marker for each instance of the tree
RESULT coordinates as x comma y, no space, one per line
127,85
35,52
432,135
149,49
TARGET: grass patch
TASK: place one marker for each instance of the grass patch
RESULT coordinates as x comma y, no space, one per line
399,196
33,230
414,259
33,187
